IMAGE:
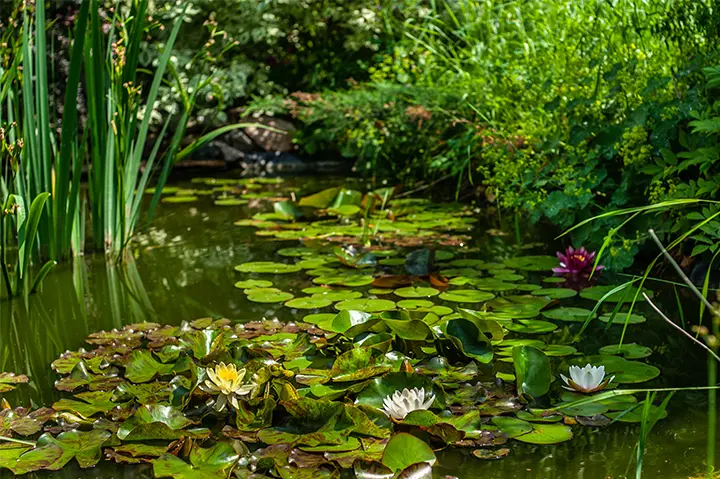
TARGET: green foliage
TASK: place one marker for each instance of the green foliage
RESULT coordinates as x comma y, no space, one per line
561,109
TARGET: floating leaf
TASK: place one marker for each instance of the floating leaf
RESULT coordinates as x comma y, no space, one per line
547,434
230,202
469,340
179,199
276,296
416,292
308,302
512,426
491,454
404,450
154,421
628,350
336,294
415,304
532,370
8,381
531,326
287,210
555,293
368,305
267,267
622,318
214,462
466,296
569,314
626,295
532,263
253,283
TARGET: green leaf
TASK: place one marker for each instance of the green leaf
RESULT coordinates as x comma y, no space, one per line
211,463
532,370
466,296
469,340
404,450
547,434
84,446
155,421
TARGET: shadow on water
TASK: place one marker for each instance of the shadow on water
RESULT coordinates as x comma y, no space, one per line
182,269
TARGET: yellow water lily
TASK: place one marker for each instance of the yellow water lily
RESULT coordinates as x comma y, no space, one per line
226,380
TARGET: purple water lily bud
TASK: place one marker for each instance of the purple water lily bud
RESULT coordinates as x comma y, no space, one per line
576,261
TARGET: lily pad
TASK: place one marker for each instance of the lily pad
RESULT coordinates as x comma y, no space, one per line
531,326
626,295
416,292
532,263
267,267
628,350
568,314
404,450
622,318
555,293
466,296
543,433
512,426
415,304
368,305
230,202
179,199
532,370
253,283
268,295
308,302
337,294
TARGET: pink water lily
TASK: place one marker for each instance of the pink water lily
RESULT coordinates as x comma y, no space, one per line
577,261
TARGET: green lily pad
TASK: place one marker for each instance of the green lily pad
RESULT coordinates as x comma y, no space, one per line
531,326
469,340
528,287
547,434
415,304
350,280
532,370
230,202
267,267
512,426
532,263
404,450
380,291
368,305
337,294
636,414
344,210
253,283
295,252
622,317
628,350
308,302
416,292
276,296
568,314
596,293
554,279
179,199
214,462
154,421
559,350
555,293
322,320
466,296
508,276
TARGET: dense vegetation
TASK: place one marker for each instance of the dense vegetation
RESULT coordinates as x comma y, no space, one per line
562,109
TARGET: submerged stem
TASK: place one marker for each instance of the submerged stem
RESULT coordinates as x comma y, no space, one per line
18,441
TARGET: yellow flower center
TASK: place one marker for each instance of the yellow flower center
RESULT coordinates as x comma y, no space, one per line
579,257
226,373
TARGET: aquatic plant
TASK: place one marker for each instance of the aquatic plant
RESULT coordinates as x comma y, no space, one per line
400,403
226,381
575,262
588,379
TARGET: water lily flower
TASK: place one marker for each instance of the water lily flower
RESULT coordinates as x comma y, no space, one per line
226,380
589,379
577,261
400,404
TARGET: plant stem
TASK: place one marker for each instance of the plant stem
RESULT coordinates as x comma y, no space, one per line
17,441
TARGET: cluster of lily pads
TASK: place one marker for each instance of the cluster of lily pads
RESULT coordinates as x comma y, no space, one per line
402,353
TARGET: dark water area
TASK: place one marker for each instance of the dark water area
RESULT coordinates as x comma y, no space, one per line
181,269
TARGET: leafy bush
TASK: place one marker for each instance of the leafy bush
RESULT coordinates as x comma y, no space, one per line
561,109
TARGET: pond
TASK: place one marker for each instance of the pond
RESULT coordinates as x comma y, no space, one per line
183,268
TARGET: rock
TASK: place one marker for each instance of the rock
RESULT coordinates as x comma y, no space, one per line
227,152
238,140
270,140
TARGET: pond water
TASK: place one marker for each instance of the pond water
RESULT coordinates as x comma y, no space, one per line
183,269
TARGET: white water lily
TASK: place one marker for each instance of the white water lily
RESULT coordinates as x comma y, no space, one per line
226,380
401,403
589,379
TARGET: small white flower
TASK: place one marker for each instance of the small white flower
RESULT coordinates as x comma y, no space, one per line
400,404
589,379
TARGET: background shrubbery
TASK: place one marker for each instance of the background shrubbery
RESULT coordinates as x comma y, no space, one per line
563,109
